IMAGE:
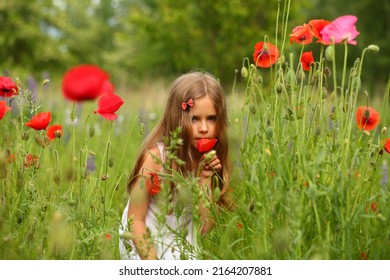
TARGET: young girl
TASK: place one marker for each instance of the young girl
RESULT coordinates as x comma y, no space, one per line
197,106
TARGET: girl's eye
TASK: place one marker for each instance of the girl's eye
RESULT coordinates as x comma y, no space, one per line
212,118
194,119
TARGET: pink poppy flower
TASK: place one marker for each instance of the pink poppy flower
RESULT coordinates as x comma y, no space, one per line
3,108
85,82
341,29
108,104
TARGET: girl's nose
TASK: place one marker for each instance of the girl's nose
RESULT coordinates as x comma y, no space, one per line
203,127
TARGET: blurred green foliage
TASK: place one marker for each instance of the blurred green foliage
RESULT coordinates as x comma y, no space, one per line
134,39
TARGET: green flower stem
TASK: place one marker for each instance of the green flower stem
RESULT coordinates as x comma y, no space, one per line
104,167
318,222
344,66
286,14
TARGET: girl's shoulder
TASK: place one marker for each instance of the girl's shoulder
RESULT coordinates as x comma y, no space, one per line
154,158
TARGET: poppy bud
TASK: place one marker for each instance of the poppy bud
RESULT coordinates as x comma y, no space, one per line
25,135
111,161
91,131
142,128
252,109
365,132
269,132
327,72
39,141
244,71
3,165
210,155
384,130
46,140
216,194
278,87
329,53
373,48
259,79
251,207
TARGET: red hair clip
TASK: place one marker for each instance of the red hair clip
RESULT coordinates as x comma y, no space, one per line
189,103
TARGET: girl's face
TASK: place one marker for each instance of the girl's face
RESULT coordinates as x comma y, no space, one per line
203,119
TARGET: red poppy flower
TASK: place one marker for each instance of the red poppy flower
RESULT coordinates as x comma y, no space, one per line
31,161
7,87
367,118
205,144
265,54
108,104
153,184
40,121
85,82
316,27
302,35
306,60
341,29
387,145
54,131
3,108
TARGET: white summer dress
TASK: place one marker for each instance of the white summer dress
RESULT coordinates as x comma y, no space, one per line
168,242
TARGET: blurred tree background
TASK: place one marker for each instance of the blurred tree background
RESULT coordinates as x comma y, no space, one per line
139,39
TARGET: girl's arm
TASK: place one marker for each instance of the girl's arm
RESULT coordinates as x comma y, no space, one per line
208,169
138,209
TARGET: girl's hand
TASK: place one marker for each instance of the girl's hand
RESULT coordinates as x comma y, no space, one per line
209,166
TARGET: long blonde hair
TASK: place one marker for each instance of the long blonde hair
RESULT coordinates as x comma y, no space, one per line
191,85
